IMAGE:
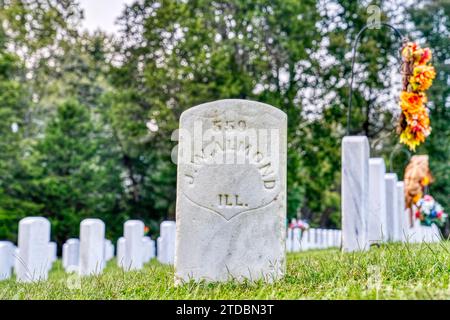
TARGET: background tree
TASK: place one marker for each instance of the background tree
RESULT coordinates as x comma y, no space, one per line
86,120
14,99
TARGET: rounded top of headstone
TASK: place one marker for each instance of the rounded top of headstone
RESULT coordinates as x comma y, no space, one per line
376,161
6,244
355,139
30,220
249,106
167,223
134,222
73,240
390,176
91,221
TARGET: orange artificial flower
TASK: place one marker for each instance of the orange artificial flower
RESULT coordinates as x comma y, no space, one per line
417,197
411,102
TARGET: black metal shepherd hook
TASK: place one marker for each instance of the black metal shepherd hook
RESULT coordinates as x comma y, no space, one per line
354,47
394,152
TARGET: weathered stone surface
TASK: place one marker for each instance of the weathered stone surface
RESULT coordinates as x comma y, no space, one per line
92,235
376,224
133,234
355,192
32,261
392,219
231,192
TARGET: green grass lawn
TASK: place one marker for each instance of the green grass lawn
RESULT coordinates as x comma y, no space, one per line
395,271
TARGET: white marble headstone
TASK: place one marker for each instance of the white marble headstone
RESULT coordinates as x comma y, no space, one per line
92,235
32,262
338,238
52,254
153,249
319,237
231,192
323,237
17,261
355,192
330,242
133,234
109,250
376,224
304,244
168,235
6,259
120,252
296,238
289,239
148,246
402,214
312,238
436,235
71,255
159,250
392,217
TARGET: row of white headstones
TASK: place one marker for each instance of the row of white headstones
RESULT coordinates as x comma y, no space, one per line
373,210
301,240
373,202
35,254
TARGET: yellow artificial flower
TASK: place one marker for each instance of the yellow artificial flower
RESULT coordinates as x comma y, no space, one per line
408,138
422,77
425,181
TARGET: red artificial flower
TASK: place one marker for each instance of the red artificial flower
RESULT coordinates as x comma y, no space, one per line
426,56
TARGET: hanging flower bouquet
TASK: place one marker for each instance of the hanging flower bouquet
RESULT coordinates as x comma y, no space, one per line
430,211
418,75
